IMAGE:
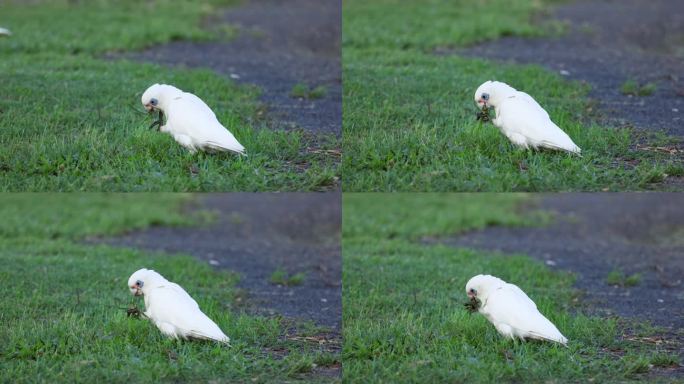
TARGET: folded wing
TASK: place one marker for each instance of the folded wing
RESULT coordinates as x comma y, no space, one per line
174,306
192,117
511,306
522,115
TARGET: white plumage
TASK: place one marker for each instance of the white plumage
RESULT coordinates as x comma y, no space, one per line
171,309
5,32
511,312
189,120
521,119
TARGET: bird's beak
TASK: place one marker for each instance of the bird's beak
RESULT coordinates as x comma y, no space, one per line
149,107
481,103
471,295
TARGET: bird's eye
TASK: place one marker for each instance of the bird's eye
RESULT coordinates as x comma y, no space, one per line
139,283
153,101
472,290
485,96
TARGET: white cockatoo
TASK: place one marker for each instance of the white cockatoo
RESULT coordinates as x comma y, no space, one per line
189,120
509,309
5,32
521,119
171,309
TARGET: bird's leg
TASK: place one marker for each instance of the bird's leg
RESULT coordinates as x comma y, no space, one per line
159,121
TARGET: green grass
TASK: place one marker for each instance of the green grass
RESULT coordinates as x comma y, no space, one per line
404,319
432,214
409,115
631,87
64,307
303,91
617,277
73,120
281,277
420,24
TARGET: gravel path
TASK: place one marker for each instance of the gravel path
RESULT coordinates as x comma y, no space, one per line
609,42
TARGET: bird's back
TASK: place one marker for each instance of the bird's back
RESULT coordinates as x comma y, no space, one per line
510,305
170,304
191,116
522,115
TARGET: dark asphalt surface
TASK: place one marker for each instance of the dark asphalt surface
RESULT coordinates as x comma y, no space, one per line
609,42
279,44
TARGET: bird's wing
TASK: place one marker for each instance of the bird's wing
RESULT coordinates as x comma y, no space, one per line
510,305
522,115
532,102
175,306
189,115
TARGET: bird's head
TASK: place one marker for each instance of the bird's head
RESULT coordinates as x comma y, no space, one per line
490,93
483,94
140,280
152,96
480,286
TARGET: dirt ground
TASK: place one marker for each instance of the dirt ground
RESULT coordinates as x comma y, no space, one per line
594,234
279,44
256,234
607,43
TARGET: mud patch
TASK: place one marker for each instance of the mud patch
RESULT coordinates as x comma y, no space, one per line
607,44
279,44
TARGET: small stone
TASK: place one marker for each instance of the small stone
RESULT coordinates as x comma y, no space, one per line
214,262
324,300
234,76
564,72
661,300
550,262
675,110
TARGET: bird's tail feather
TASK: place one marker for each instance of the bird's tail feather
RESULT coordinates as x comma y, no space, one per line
221,147
201,335
575,150
562,340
